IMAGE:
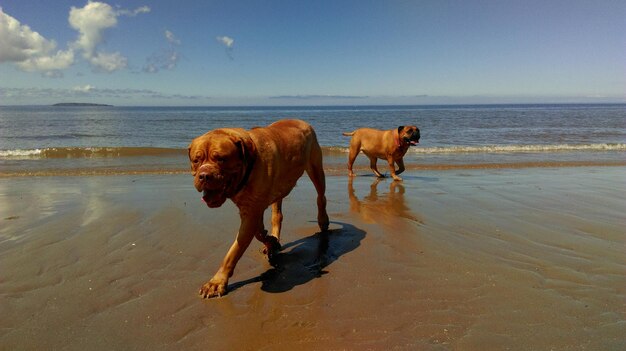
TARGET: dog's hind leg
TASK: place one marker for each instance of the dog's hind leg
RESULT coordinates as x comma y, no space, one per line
315,170
374,168
271,243
354,152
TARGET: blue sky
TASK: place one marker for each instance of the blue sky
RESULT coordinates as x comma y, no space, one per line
311,52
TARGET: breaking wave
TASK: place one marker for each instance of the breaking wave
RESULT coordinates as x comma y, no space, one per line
113,152
502,148
519,148
88,152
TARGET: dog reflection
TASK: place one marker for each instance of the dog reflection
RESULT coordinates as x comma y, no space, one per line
384,208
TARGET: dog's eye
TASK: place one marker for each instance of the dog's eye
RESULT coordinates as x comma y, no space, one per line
218,158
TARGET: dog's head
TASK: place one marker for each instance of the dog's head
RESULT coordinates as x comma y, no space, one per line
409,134
220,163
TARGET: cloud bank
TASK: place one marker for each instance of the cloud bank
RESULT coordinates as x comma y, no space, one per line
316,97
91,92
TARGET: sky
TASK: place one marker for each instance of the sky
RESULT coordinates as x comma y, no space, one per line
296,52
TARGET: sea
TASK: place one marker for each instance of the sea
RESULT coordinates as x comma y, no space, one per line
105,140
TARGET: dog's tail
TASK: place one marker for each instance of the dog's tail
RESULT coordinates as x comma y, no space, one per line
348,134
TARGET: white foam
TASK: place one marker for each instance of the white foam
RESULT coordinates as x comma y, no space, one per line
20,153
518,148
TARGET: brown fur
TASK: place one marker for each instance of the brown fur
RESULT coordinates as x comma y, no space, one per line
389,145
255,169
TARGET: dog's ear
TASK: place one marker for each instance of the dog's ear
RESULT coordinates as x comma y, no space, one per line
193,171
246,148
242,150
400,128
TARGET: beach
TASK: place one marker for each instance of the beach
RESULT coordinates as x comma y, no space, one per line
512,258
506,120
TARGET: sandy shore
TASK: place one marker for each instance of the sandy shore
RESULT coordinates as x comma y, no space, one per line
492,259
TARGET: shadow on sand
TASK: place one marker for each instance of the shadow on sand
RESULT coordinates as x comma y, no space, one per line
303,260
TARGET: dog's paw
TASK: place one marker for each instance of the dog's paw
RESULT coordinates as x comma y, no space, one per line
271,249
213,288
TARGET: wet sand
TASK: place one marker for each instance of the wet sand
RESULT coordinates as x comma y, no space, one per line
489,259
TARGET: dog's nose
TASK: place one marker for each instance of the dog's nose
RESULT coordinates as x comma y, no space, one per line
204,172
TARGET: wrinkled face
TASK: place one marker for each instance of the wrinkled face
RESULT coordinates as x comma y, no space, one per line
217,164
409,134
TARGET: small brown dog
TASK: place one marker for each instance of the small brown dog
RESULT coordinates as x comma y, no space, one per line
390,145
255,169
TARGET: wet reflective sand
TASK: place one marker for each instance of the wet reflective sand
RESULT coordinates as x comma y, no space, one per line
491,259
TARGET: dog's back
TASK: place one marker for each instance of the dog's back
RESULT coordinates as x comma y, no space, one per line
362,131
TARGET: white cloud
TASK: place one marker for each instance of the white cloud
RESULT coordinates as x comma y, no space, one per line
28,49
91,21
84,88
19,42
227,41
59,61
171,38
53,74
133,13
108,62
31,52
167,58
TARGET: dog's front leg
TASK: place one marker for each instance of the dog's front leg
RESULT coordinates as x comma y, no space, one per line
250,224
400,163
392,168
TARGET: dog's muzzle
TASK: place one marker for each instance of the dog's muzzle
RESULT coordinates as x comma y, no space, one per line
213,185
413,139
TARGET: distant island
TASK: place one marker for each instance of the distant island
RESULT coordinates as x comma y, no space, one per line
79,104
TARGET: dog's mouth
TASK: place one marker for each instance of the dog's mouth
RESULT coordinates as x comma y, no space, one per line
214,197
214,194
412,141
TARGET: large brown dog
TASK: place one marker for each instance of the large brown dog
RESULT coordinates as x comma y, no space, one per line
390,145
255,169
